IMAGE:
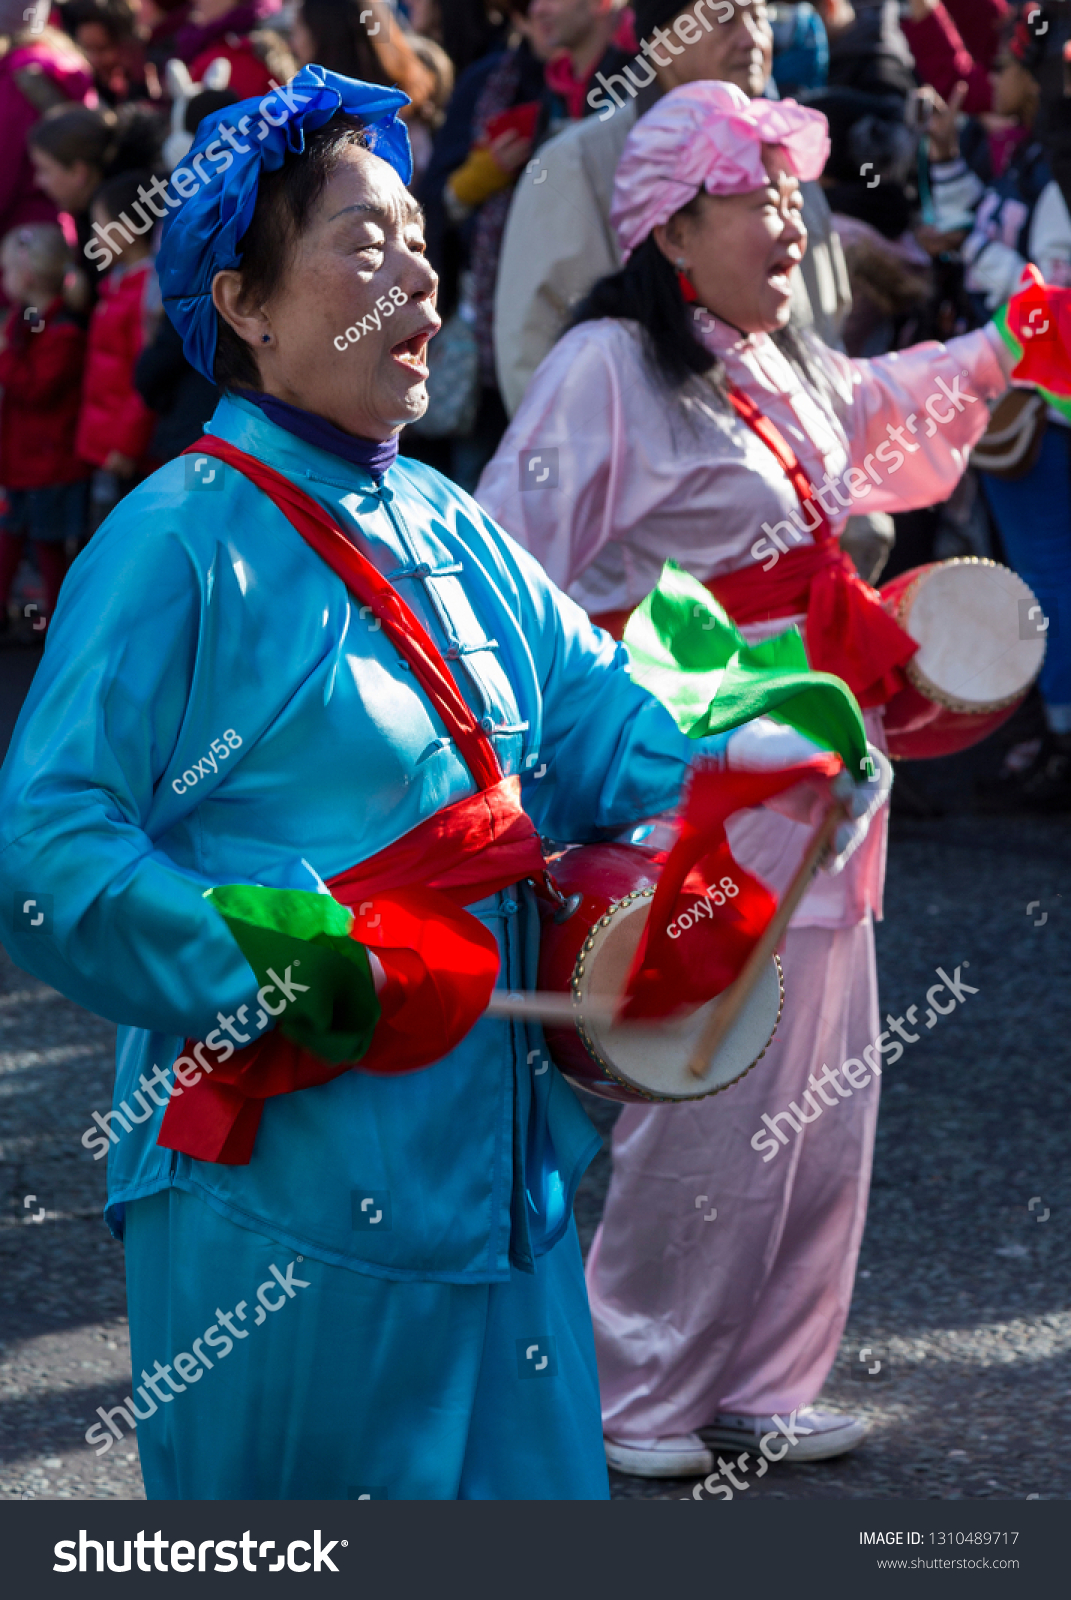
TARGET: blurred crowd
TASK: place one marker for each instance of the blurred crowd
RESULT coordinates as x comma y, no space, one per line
950,170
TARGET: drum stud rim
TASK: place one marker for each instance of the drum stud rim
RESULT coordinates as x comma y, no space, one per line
918,678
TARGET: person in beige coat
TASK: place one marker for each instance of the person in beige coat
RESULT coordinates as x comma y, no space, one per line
558,239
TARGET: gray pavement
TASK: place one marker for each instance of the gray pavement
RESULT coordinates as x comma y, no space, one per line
964,1293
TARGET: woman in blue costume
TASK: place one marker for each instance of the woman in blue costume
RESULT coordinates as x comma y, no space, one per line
384,1264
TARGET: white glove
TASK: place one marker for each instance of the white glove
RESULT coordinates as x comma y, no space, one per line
865,800
764,746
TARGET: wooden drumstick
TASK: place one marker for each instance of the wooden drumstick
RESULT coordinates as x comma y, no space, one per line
732,999
546,1005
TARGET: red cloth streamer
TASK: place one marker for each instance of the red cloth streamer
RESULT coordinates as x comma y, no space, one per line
670,972
441,962
1040,318
400,624
849,633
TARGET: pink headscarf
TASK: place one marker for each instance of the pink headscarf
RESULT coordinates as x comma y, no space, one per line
707,136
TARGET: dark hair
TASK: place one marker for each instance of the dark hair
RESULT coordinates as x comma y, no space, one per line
204,103
646,291
341,39
284,200
110,141
120,194
116,17
469,30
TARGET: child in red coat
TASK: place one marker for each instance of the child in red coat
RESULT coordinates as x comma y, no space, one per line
115,425
42,353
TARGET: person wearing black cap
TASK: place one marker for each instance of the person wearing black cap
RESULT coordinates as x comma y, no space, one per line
558,238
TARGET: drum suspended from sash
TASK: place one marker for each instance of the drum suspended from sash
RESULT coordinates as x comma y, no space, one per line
587,955
976,658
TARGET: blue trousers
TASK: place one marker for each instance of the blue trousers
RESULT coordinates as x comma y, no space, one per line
341,1386
1034,518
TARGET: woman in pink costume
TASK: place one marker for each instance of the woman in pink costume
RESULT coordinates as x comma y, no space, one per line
681,417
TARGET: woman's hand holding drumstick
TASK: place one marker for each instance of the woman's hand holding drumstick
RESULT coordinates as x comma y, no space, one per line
561,1008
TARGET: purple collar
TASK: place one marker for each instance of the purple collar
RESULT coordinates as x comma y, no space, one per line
374,455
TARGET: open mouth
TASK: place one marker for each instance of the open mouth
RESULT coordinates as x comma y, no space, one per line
779,276
410,352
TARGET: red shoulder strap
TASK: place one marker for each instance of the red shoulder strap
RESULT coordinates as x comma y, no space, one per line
401,626
775,441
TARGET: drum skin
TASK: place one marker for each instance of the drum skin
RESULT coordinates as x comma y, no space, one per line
918,728
590,953
603,874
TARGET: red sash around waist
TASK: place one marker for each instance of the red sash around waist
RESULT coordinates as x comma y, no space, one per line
848,631
441,962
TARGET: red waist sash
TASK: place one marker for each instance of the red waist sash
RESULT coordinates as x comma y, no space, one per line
441,962
848,631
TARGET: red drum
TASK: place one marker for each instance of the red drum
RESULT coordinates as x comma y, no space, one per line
973,667
588,955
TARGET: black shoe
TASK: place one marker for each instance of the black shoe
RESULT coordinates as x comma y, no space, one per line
1042,785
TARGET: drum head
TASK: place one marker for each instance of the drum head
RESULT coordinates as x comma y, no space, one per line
970,617
652,1059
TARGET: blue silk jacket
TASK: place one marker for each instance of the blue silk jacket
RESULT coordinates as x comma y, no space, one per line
198,621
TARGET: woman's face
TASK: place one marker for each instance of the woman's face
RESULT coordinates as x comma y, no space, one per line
1015,90
741,251
70,188
99,48
358,269
16,277
537,33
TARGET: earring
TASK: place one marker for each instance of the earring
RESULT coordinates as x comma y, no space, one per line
687,288
265,338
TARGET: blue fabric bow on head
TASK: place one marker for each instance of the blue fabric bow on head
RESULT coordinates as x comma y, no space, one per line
202,237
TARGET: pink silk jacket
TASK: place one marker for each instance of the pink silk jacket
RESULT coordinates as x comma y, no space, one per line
604,474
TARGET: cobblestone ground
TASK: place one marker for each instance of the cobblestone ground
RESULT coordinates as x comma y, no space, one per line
966,1264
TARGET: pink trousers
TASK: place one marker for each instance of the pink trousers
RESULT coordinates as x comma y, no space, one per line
744,1312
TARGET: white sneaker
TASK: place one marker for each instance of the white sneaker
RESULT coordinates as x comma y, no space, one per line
808,1435
682,1457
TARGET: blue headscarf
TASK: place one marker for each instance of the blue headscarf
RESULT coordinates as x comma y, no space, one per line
202,237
